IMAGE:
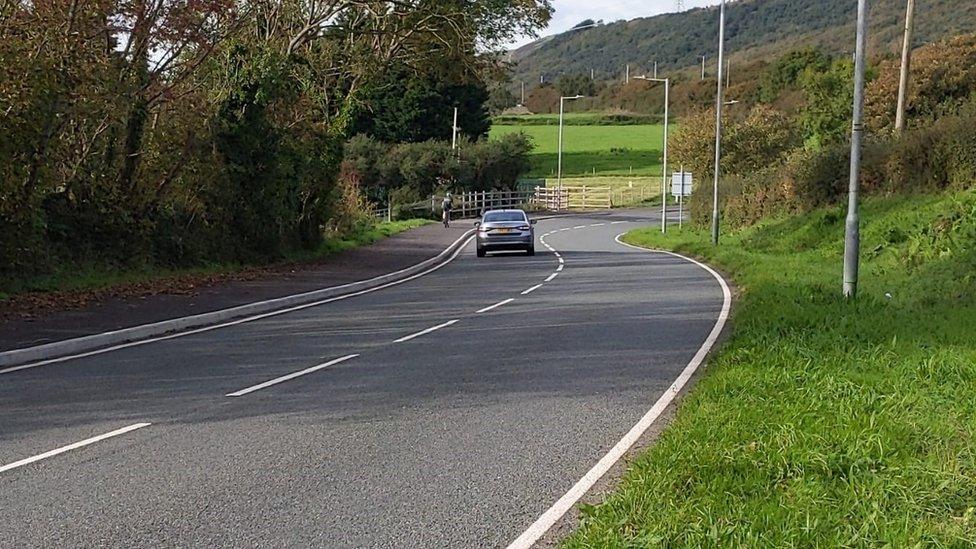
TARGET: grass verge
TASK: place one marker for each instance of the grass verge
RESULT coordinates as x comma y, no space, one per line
100,277
822,422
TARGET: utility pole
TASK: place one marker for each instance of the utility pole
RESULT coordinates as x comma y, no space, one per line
852,230
627,75
728,74
592,74
703,67
906,63
523,94
655,69
719,102
664,177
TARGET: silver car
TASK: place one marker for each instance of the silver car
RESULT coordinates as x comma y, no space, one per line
505,230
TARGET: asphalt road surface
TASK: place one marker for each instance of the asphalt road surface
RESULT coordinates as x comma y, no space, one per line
460,436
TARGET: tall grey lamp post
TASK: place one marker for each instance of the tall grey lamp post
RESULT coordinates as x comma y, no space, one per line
664,176
719,102
559,152
852,230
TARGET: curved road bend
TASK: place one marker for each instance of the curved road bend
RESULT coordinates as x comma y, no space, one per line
457,437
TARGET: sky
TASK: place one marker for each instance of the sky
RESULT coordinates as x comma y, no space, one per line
570,12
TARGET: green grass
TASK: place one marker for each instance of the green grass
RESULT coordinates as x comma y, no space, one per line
99,277
578,119
822,422
593,150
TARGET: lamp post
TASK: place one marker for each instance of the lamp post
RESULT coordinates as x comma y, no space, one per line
852,231
718,123
664,176
559,152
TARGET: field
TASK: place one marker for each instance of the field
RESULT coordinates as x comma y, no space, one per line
821,422
590,150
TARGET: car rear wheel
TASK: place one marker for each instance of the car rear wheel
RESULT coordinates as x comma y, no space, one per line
480,251
530,250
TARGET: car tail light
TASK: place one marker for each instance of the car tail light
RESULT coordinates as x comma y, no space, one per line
524,227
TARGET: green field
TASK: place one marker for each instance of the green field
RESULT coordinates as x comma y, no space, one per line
579,119
593,150
821,422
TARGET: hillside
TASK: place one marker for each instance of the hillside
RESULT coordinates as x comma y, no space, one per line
757,29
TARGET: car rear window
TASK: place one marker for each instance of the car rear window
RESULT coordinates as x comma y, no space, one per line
504,216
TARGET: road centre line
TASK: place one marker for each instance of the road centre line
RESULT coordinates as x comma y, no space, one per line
427,331
239,320
568,500
580,227
289,377
560,267
532,289
597,224
75,446
551,277
496,305
618,222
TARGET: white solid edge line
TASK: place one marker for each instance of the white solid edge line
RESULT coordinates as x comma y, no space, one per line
75,446
532,289
496,305
288,377
617,222
427,331
580,227
551,277
565,503
239,320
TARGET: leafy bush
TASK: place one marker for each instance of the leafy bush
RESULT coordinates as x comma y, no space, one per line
786,71
412,171
938,157
943,79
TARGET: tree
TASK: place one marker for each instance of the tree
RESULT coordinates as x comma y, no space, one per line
829,99
174,132
500,98
576,84
407,106
786,71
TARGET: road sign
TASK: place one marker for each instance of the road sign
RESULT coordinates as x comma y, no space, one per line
682,183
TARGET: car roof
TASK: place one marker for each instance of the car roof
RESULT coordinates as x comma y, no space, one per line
505,211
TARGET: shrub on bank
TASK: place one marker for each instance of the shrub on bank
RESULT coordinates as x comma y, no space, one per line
413,171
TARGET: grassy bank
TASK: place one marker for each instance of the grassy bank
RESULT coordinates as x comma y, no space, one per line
593,150
100,277
822,422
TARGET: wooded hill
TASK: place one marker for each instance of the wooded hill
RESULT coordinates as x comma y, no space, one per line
756,30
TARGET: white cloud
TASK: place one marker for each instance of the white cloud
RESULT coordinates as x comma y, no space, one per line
570,12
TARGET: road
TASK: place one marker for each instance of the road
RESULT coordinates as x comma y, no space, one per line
460,436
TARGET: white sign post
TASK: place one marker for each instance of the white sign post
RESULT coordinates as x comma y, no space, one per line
682,184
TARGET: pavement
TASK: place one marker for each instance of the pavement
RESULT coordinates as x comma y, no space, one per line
388,255
448,411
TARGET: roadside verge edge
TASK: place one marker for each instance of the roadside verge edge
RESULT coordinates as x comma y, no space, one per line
62,350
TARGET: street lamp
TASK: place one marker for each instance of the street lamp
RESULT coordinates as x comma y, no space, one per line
719,102
559,153
852,230
664,176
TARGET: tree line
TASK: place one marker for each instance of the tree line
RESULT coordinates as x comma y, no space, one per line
175,132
